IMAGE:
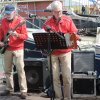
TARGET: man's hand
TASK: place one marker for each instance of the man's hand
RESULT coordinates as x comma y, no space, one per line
1,44
15,34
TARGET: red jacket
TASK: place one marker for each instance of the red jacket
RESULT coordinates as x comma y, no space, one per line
14,42
65,25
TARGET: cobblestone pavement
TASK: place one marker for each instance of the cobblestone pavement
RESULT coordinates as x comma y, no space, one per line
36,95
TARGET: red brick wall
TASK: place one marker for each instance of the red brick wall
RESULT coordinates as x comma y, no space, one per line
37,6
42,5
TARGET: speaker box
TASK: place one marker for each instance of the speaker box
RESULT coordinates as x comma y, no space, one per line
36,71
83,85
98,86
83,61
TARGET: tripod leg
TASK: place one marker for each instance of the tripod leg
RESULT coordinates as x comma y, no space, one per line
51,76
61,81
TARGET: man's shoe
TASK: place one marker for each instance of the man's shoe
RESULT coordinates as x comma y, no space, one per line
23,95
6,93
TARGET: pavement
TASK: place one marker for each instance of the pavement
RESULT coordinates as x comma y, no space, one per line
37,95
16,95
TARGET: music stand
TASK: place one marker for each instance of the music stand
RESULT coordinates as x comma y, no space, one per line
41,40
50,41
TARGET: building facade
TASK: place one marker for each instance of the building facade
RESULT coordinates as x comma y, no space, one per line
25,7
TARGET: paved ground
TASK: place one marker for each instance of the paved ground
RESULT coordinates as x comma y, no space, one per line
36,95
31,96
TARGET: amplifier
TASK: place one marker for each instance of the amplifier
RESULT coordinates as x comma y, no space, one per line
83,85
83,61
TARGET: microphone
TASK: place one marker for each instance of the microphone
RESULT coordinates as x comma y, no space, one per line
32,15
48,28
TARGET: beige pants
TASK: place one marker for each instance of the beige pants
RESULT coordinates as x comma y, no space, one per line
18,58
65,65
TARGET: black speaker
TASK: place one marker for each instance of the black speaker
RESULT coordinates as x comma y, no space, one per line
83,61
83,86
36,71
98,86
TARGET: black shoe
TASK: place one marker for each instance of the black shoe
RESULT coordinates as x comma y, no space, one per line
23,95
6,93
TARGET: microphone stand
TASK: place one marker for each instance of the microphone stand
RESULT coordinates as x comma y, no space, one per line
60,75
61,80
50,63
49,28
30,22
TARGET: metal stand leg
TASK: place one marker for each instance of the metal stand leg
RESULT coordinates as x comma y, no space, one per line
61,81
51,76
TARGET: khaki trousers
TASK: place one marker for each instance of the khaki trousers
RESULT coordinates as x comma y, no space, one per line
18,58
65,65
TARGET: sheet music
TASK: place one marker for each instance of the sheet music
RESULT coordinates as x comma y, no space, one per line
67,38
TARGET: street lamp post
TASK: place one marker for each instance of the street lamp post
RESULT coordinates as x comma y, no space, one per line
69,4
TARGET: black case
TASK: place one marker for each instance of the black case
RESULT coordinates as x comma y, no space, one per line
84,85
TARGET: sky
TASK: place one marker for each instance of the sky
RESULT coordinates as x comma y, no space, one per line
73,2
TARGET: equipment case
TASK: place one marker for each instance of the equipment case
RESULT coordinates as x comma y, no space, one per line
84,85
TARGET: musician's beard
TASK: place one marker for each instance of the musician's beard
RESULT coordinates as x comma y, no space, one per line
10,18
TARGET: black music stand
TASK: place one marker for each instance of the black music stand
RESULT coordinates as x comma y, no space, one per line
49,41
41,40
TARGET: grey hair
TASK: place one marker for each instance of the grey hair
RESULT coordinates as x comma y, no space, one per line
56,4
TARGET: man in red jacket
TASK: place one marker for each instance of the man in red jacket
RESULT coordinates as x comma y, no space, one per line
15,49
62,24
